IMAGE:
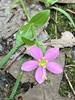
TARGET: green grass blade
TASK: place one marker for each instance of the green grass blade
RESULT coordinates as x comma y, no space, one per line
19,77
66,14
4,60
16,85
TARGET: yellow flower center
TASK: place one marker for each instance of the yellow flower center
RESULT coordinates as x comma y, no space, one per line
43,63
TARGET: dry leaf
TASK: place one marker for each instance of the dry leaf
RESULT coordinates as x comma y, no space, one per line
67,40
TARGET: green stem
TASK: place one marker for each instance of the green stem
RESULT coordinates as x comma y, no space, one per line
19,77
25,8
7,57
41,45
56,25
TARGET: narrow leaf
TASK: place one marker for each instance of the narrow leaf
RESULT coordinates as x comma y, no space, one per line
19,77
18,80
7,57
65,13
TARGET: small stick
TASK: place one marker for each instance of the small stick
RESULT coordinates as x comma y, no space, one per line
70,66
9,18
73,12
11,34
66,76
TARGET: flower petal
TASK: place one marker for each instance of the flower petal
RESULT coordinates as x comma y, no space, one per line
29,65
51,54
40,75
54,68
36,52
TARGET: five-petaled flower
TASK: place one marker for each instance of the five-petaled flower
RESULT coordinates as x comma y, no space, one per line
41,63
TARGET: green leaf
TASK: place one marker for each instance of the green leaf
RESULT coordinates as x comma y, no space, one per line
24,31
16,1
41,18
19,77
66,14
28,41
18,80
27,31
52,1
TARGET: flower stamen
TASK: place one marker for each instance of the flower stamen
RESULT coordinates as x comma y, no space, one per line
42,62
44,76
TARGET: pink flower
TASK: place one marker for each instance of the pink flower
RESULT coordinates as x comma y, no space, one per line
41,63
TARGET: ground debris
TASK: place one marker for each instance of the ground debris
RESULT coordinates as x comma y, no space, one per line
67,40
10,23
67,1
5,84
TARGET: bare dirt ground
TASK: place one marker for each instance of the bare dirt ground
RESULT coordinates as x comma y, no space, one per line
10,21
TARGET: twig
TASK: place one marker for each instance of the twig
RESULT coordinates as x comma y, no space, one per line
9,65
70,65
73,12
9,18
11,34
66,76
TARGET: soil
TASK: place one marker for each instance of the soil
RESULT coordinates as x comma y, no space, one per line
11,18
